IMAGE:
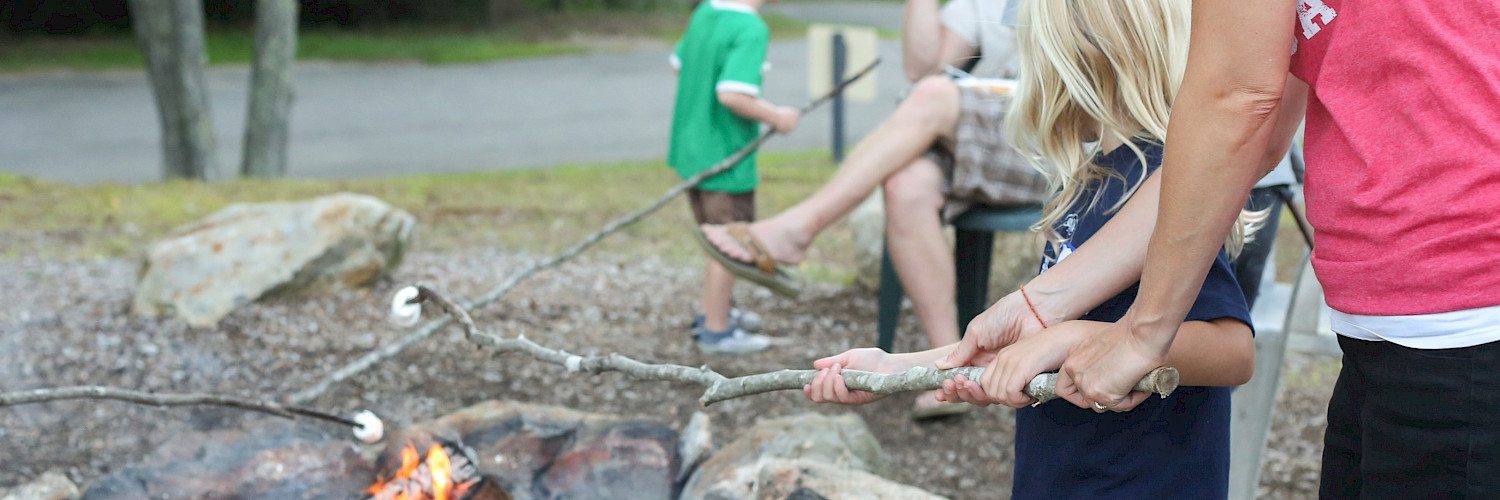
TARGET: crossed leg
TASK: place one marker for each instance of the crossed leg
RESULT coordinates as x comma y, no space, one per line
929,114
889,156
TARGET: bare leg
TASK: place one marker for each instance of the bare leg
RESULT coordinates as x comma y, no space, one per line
923,260
928,115
914,232
718,289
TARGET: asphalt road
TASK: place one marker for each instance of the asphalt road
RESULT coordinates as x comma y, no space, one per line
365,120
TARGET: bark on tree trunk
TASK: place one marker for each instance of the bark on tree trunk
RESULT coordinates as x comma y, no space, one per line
171,36
268,120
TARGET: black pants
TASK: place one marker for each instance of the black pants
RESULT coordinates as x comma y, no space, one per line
1251,263
1413,423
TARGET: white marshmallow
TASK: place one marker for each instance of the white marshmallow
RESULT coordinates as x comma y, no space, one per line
402,313
370,429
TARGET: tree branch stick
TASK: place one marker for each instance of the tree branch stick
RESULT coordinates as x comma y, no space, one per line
390,350
720,388
146,398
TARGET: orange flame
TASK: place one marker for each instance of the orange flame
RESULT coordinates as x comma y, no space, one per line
442,474
438,465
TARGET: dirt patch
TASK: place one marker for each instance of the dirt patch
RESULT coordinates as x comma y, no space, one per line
66,323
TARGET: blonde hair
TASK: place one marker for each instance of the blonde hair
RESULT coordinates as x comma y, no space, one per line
1091,70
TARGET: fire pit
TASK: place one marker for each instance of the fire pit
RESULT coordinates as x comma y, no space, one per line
445,472
492,450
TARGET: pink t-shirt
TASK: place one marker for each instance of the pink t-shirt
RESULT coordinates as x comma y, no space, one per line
1403,152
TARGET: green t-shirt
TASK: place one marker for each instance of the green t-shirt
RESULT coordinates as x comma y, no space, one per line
723,50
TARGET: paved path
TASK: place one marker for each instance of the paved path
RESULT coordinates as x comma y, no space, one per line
363,120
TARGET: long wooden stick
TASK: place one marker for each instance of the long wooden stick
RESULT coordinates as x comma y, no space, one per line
99,392
390,350
720,388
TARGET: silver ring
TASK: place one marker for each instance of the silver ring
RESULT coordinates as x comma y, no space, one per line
1099,407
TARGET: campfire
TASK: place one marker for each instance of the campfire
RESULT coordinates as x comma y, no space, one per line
446,472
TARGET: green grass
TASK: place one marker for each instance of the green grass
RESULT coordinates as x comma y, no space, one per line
540,35
237,47
539,211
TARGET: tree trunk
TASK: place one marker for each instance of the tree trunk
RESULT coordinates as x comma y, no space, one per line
268,121
171,36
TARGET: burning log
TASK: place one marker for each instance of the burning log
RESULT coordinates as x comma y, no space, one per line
447,472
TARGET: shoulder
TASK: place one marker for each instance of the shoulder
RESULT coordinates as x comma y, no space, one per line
1128,161
961,6
959,14
751,26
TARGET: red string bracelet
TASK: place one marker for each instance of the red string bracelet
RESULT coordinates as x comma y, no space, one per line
1033,308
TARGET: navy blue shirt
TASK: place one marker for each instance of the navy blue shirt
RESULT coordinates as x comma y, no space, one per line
1176,447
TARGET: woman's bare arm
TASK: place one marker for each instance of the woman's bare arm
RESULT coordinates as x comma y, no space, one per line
1222,125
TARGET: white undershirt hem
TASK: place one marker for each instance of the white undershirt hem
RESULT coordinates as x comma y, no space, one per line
1447,330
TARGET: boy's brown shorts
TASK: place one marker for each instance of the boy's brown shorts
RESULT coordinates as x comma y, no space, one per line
715,207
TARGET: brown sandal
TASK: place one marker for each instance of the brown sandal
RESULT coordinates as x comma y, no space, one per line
763,271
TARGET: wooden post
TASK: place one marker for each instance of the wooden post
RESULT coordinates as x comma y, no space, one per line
1255,402
268,119
171,37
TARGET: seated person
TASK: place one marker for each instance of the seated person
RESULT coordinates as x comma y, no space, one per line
939,153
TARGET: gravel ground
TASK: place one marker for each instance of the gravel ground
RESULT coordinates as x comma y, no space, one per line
66,323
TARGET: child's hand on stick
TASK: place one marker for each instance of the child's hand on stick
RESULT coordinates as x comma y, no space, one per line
786,119
828,386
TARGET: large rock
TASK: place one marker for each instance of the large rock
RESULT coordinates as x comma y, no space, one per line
269,459
50,486
808,480
202,271
842,442
545,452
867,225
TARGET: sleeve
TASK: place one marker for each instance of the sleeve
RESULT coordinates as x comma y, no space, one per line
962,18
742,65
1220,296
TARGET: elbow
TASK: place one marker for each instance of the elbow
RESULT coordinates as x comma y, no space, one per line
1241,365
1256,103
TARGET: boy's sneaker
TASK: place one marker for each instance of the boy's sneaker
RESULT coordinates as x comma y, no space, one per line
738,320
731,341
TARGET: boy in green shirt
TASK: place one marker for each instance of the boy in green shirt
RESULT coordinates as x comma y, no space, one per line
718,111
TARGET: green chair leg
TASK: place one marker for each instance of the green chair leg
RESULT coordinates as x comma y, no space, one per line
890,301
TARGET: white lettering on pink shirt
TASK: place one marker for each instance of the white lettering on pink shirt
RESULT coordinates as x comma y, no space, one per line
1307,11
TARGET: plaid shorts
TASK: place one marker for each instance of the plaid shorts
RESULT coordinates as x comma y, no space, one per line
982,168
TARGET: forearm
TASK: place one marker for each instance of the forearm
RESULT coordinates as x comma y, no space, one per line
748,106
926,358
1105,265
1221,127
921,38
1211,353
